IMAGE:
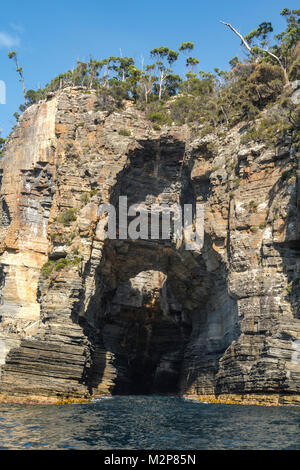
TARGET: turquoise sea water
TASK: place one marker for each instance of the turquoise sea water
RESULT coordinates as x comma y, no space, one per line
148,422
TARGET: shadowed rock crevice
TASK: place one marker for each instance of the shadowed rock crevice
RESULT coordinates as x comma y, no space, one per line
141,309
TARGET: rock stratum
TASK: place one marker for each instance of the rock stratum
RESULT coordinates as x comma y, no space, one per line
84,316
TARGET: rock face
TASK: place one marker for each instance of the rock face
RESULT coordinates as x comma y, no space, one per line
83,315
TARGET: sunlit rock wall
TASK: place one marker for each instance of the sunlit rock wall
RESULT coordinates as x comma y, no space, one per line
145,316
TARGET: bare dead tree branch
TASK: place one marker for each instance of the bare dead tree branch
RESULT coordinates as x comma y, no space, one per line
239,35
250,49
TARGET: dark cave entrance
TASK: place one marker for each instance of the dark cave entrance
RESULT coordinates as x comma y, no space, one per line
141,327
151,357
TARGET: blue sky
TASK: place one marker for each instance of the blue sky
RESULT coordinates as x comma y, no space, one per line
50,36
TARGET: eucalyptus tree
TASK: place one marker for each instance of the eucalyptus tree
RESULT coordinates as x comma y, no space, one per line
133,77
122,65
191,63
13,56
80,74
93,69
172,84
186,48
162,55
289,39
147,81
221,76
106,66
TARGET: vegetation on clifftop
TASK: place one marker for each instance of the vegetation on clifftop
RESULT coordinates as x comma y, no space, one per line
211,99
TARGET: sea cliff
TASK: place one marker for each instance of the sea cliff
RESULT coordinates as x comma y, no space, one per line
83,316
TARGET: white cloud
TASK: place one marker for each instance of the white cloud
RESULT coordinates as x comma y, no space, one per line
6,40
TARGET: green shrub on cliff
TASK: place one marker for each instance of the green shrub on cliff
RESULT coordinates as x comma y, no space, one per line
51,267
47,269
61,264
124,132
67,216
85,198
158,117
62,238
283,119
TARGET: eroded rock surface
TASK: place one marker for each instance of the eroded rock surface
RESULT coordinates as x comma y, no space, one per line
145,316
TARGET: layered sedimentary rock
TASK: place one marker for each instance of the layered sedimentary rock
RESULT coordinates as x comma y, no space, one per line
85,315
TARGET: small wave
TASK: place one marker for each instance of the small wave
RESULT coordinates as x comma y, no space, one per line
100,399
195,400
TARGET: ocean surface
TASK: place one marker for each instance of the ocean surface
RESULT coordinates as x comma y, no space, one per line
148,422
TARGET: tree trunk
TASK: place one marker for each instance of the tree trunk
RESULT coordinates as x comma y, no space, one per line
160,85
